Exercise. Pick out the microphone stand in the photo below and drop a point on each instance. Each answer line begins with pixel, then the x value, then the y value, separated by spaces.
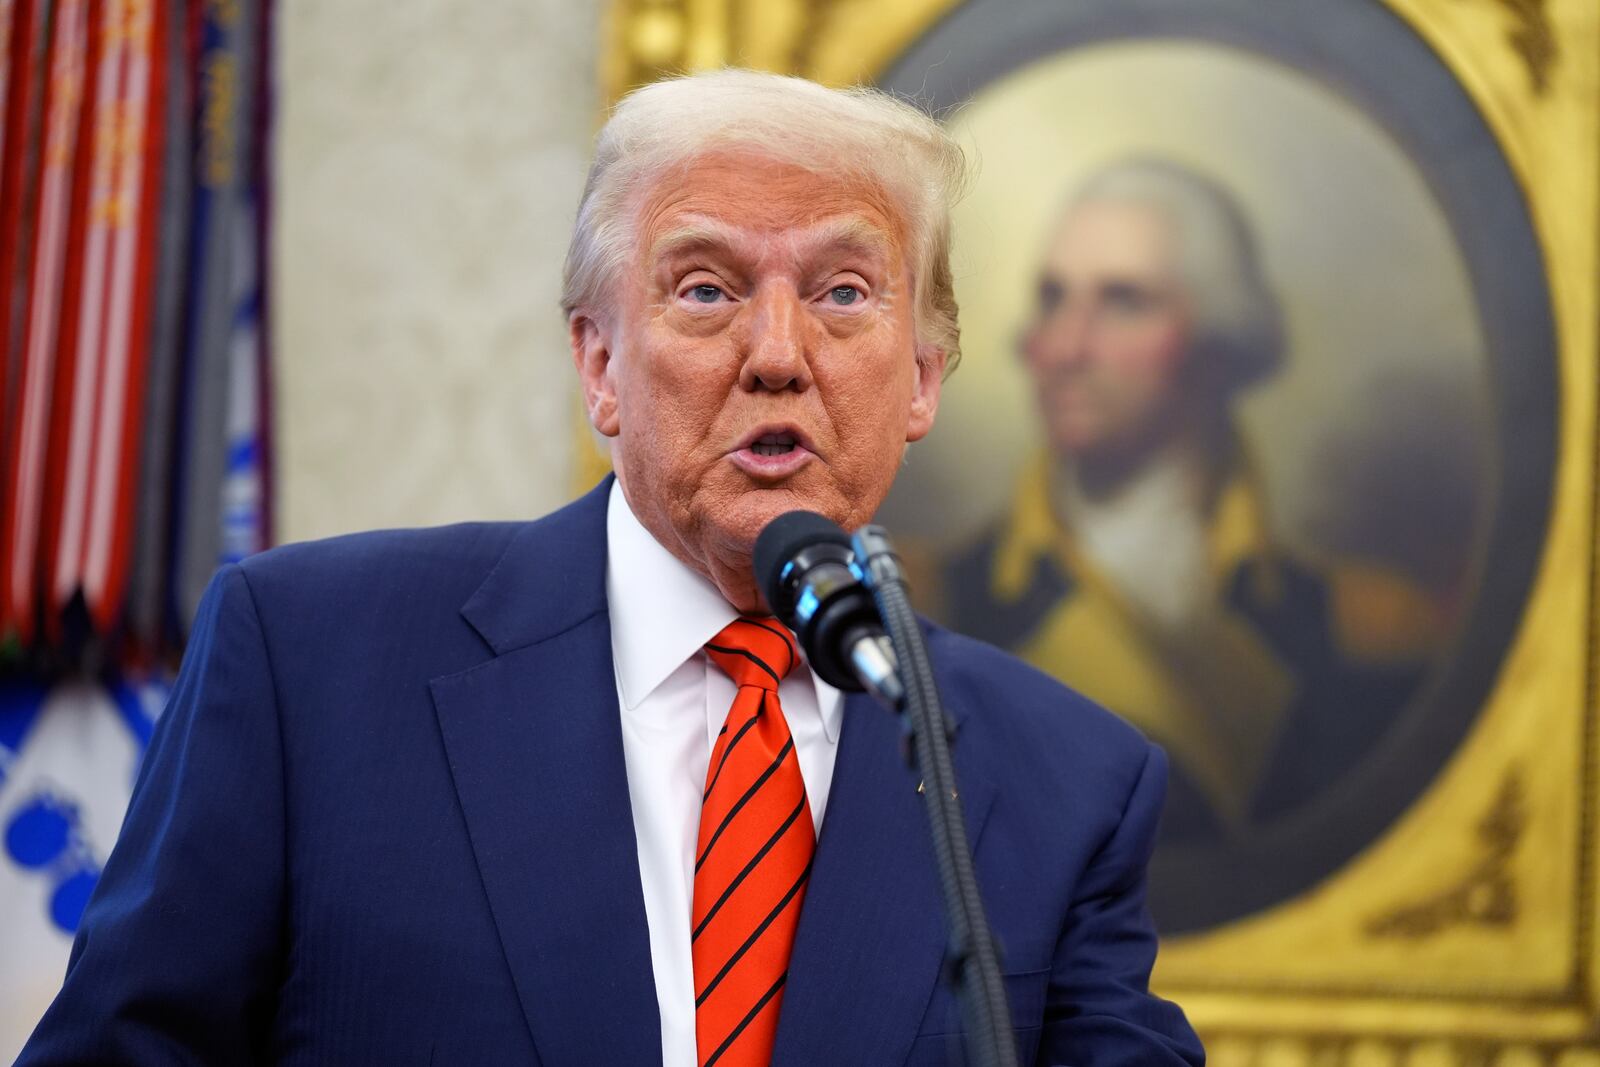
pixel 974 961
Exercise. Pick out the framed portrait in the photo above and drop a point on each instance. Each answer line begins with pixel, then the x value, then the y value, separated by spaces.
pixel 1274 433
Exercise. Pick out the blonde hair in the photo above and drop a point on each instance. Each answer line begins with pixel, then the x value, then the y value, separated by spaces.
pixel 858 133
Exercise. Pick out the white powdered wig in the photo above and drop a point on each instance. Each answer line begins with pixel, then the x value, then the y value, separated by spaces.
pixel 856 134
pixel 1238 322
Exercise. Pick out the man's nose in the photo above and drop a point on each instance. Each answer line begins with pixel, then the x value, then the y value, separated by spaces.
pixel 1063 338
pixel 775 350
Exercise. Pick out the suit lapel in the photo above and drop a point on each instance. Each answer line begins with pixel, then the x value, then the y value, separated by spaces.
pixel 872 933
pixel 534 741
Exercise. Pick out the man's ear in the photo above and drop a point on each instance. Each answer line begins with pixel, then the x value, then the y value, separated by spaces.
pixel 591 354
pixel 925 391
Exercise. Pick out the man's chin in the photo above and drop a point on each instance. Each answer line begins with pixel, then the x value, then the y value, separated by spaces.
pixel 1076 435
pixel 751 511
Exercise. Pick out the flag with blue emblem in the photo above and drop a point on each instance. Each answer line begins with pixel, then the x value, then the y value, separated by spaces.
pixel 134 413
pixel 68 756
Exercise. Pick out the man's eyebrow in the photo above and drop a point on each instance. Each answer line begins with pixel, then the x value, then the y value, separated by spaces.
pixel 694 238
pixel 855 234
pixel 852 234
pixel 1129 287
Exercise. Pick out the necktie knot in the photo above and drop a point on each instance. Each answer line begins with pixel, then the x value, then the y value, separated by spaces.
pixel 753 651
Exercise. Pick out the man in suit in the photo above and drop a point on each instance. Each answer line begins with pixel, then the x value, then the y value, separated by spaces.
pixel 559 792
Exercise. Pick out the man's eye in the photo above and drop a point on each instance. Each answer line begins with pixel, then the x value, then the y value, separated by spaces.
pixel 1051 293
pixel 1129 300
pixel 705 294
pixel 845 295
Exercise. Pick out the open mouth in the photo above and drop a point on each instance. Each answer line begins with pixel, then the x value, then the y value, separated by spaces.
pixel 773 452
pixel 774 444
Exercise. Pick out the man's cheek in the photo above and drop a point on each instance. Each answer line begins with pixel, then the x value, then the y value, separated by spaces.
pixel 1169 352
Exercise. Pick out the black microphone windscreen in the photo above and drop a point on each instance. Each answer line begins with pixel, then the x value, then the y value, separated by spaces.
pixel 782 538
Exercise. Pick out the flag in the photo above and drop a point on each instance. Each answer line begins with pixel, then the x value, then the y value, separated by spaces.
pixel 100 419
pixel 134 413
pixel 24 486
pixel 22 47
pixel 68 757
pixel 222 285
pixel 135 426
pixel 149 626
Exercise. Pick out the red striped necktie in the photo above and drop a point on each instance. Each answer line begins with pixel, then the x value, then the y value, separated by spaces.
pixel 754 854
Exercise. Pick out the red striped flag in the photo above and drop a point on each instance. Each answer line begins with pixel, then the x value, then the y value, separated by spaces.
pixel 112 338
pixel 21 89
pixel 8 10
pixel 133 374
pixel 25 476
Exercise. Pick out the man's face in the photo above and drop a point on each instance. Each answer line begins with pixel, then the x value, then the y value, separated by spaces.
pixel 759 357
pixel 1108 340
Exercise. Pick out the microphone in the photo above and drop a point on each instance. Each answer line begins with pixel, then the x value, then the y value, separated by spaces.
pixel 806 570
pixel 830 590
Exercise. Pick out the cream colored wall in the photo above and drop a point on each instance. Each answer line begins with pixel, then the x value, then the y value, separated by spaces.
pixel 429 159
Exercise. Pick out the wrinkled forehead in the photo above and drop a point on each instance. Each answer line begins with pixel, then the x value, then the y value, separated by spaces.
pixel 758 206
pixel 1103 236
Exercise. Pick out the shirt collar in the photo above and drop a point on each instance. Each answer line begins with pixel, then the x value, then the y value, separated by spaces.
pixel 1238 532
pixel 662 613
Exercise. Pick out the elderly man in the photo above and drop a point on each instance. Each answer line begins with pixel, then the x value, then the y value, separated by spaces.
pixel 552 792
pixel 1137 562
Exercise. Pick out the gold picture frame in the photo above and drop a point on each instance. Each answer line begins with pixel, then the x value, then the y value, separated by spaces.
pixel 1465 934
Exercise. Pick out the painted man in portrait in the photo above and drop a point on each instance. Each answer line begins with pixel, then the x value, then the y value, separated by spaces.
pixel 1138 560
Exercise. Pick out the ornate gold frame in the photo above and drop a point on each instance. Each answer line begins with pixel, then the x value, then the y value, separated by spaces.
pixel 1466 936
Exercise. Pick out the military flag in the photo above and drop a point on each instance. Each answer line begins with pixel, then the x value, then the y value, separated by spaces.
pixel 135 412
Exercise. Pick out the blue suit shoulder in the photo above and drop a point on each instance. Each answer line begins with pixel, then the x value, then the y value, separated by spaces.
pixel 389 597
pixel 376 561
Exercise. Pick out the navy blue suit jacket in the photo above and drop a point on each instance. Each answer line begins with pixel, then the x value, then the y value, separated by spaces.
pixel 385 820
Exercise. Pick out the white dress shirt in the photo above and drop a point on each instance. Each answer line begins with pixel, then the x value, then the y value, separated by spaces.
pixel 674 701
pixel 1150 537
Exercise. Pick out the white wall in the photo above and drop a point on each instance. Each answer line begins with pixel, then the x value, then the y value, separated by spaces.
pixel 429 160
